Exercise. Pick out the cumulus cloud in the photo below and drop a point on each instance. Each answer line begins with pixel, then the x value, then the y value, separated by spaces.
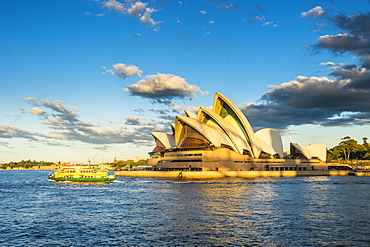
pixel 355 24
pixel 355 39
pixel 316 12
pixel 146 19
pixel 124 71
pixel 319 92
pixel 133 8
pixel 115 5
pixel 163 87
pixel 343 43
pixel 313 100
pixel 136 9
pixel 339 99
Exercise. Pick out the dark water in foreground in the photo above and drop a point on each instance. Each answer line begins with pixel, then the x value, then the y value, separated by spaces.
pixel 302 211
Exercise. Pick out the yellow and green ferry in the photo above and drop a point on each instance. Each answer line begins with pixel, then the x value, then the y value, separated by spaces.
pixel 81 173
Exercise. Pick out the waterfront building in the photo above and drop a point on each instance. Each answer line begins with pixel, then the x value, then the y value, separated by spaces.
pixel 222 139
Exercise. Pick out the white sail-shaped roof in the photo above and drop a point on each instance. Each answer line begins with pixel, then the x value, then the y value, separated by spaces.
pixel 272 138
pixel 229 130
pixel 212 133
pixel 301 150
pixel 172 128
pixel 318 150
pixel 314 150
pixel 167 140
pixel 190 114
pixel 226 109
pixel 266 147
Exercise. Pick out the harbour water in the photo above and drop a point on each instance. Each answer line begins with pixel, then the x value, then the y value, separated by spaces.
pixel 290 211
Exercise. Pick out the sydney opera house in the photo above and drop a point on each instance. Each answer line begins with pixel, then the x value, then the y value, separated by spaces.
pixel 222 139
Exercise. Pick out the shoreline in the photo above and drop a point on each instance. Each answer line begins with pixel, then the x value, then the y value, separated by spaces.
pixel 225 174
pixel 222 174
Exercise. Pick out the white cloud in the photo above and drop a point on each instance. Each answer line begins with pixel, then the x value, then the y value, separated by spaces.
pixel 132 120
pixel 37 111
pixel 136 8
pixel 146 19
pixel 124 71
pixel 327 64
pixel 316 12
pixel 66 124
pixel 114 5
pixel 163 86
pixel 176 108
pixel 195 108
pixel 269 23
pixel 133 8
pixel 30 99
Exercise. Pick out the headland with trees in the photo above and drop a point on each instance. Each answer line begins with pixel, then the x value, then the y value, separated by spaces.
pixel 350 152
pixel 45 165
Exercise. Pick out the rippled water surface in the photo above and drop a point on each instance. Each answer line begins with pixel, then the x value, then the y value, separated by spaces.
pixel 301 211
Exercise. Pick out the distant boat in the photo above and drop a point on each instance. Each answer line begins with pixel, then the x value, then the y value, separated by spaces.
pixel 81 173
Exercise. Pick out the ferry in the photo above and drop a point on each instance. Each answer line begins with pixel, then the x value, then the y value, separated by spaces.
pixel 81 173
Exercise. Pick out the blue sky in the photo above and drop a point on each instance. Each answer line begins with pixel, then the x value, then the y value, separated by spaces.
pixel 81 78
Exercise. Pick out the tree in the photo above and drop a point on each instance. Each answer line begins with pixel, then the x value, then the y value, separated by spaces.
pixel 366 144
pixel 366 152
pixel 349 146
pixel 334 154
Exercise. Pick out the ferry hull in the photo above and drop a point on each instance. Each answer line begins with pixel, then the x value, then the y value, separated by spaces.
pixel 61 179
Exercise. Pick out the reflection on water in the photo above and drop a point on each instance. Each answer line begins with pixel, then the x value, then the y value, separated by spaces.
pixel 302 211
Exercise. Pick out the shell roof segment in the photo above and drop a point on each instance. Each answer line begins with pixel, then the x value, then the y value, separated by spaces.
pixel 167 140
pixel 208 116
pixel 213 134
pixel 230 112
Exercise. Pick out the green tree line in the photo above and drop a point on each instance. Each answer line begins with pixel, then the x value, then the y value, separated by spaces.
pixel 349 150
pixel 116 164
pixel 25 164
pixel 127 164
